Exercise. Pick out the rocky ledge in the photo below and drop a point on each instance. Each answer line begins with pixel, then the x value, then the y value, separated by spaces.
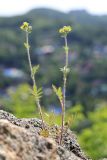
pixel 20 140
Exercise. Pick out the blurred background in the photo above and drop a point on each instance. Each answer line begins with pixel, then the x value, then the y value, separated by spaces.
pixel 87 83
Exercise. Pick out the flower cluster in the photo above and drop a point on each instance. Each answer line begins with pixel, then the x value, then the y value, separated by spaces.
pixel 65 30
pixel 26 27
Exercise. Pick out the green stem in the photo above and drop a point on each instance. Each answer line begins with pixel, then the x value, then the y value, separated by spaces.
pixel 33 77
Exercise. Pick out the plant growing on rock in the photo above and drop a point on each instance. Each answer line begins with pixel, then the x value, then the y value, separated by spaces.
pixel 62 94
pixel 37 92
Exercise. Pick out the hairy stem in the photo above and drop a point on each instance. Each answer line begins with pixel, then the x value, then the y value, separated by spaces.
pixel 64 94
pixel 66 51
pixel 63 103
pixel 65 74
pixel 62 122
pixel 33 77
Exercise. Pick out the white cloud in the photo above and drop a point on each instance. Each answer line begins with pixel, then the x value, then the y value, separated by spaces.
pixel 9 7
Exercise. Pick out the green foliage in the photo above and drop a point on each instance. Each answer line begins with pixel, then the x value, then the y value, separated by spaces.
pixel 21 102
pixel 100 114
pixel 94 139
pixel 75 116
pixel 52 119
pixel 44 32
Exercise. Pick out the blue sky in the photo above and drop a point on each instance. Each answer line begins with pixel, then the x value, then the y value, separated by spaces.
pixel 15 7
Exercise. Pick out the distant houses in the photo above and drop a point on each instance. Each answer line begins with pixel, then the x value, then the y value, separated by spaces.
pixel 100 51
pixel 11 77
pixel 14 73
pixel 45 50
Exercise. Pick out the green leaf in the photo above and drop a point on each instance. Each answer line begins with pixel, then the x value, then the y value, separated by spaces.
pixel 52 118
pixel 66 49
pixel 35 69
pixel 58 92
pixel 46 114
pixel 26 45
pixel 31 91
pixel 65 70
pixel 35 88
pixel 29 29
pixel 37 93
pixel 54 88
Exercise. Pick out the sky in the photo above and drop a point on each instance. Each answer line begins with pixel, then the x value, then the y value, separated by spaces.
pixel 16 7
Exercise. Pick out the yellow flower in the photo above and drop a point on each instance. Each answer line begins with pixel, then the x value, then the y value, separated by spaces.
pixel 25 27
pixel 65 30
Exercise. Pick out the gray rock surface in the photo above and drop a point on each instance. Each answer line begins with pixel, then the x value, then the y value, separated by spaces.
pixel 20 140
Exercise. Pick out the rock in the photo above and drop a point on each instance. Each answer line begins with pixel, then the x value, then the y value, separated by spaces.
pixel 20 140
pixel 18 144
